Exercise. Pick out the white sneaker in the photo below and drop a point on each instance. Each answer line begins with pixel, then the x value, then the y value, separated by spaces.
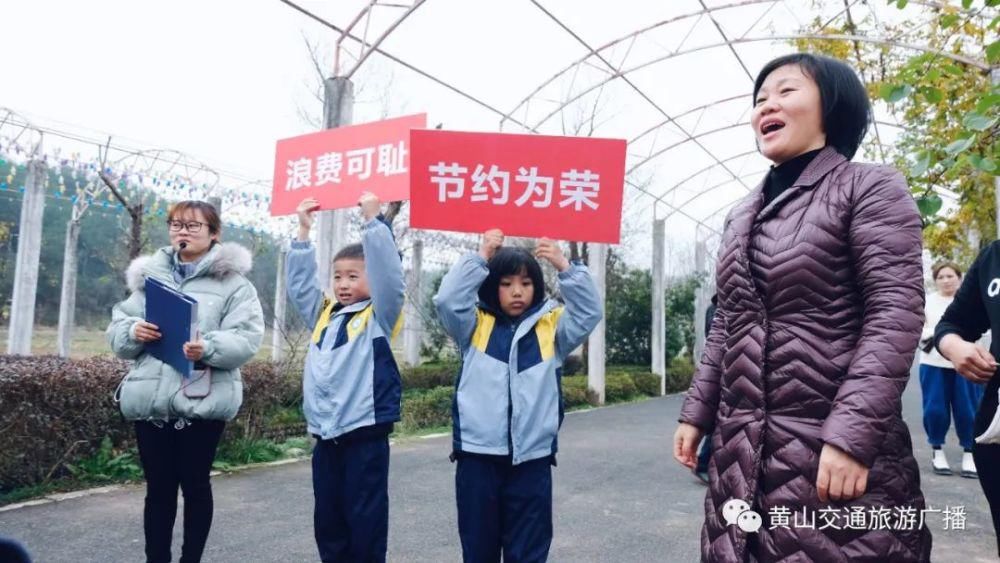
pixel 940 463
pixel 969 466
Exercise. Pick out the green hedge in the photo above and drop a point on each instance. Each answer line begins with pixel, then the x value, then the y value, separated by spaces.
pixel 57 413
pixel 427 409
pixel 429 376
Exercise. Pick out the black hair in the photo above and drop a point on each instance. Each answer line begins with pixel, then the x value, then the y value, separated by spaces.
pixel 207 210
pixel 844 101
pixel 510 262
pixel 351 251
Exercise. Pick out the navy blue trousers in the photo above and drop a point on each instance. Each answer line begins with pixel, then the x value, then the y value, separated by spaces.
pixel 705 453
pixel 351 487
pixel 948 395
pixel 504 508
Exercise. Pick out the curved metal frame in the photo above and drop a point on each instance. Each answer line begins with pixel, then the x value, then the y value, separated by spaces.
pixel 614 73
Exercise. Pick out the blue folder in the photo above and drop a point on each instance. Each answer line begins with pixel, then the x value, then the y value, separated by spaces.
pixel 176 315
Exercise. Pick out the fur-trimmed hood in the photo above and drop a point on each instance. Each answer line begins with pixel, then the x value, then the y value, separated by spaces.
pixel 223 259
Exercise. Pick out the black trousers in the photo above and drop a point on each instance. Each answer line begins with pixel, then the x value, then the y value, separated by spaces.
pixel 987 456
pixel 175 457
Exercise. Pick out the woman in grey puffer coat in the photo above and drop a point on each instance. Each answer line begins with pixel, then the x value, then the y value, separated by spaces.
pixel 177 434
pixel 820 309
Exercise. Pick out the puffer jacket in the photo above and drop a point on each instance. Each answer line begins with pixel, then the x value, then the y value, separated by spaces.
pixel 820 310
pixel 508 398
pixel 351 381
pixel 230 322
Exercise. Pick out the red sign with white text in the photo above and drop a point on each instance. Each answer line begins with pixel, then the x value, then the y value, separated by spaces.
pixel 336 166
pixel 567 188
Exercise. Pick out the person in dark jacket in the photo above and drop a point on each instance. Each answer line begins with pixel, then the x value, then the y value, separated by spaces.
pixel 976 309
pixel 820 310
pixel 705 453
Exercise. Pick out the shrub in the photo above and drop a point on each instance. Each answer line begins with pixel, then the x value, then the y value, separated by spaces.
pixel 646 383
pixel 54 412
pixel 427 409
pixel 679 374
pixel 58 417
pixel 429 376
pixel 619 387
pixel 574 391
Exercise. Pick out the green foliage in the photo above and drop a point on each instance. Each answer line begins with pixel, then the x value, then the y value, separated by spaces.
pixel 628 314
pixel 437 345
pixel 949 108
pixel 107 464
pixel 247 450
pixel 574 391
pixel 619 387
pixel 428 408
pixel 60 421
pixel 679 374
pixel 646 383
pixel 429 375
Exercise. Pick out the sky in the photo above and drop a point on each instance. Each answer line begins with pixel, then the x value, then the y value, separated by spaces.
pixel 221 81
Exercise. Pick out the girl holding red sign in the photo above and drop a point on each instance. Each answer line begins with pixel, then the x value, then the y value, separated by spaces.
pixel 508 405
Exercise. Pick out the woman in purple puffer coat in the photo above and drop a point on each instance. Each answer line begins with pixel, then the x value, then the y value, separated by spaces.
pixel 820 310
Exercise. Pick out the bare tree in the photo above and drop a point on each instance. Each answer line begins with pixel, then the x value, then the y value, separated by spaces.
pixel 85 195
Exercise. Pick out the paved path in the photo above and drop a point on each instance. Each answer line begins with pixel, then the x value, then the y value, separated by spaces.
pixel 618 497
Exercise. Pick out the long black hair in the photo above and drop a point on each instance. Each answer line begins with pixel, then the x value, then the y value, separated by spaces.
pixel 844 101
pixel 510 262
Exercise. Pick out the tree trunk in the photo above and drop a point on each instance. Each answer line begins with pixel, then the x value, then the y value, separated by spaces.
pixel 135 236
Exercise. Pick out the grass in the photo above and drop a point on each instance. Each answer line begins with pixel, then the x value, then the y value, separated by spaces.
pixel 90 341
pixel 113 467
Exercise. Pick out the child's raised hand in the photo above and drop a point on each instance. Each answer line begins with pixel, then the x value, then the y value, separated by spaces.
pixel 492 241
pixel 305 211
pixel 550 250
pixel 370 205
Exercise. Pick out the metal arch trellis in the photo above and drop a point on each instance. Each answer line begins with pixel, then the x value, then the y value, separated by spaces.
pixel 622 72
pixel 17 130
pixel 170 174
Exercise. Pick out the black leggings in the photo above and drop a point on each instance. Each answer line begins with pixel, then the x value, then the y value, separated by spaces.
pixel 173 457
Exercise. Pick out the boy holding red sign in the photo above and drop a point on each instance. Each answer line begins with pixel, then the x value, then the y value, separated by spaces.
pixel 508 403
pixel 350 384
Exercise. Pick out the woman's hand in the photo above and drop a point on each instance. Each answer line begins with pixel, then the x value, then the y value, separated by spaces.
pixel 194 350
pixel 146 332
pixel 971 361
pixel 686 440
pixel 305 212
pixel 492 241
pixel 840 476
pixel 550 250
